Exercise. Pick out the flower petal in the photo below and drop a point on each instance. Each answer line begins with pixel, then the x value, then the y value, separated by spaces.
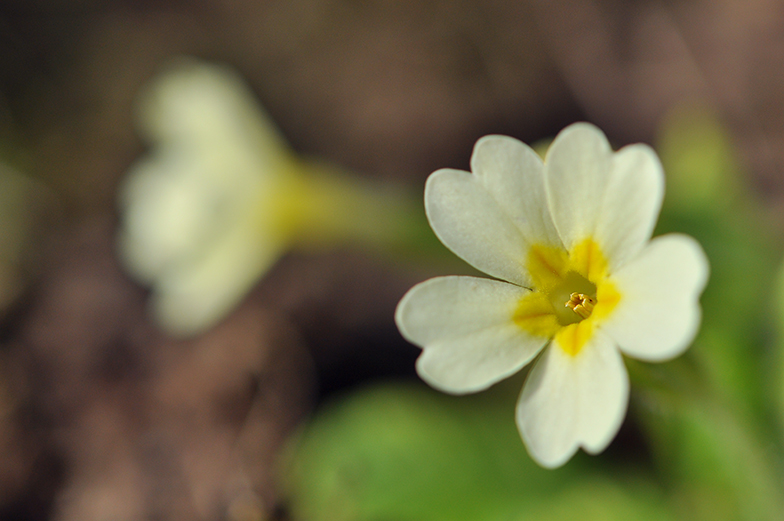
pixel 167 214
pixel 466 330
pixel 573 401
pixel 577 172
pixel 209 109
pixel 658 313
pixel 192 297
pixel 514 175
pixel 631 204
pixel 489 218
pixel 471 223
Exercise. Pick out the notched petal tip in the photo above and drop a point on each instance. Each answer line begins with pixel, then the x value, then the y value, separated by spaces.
pixel 570 402
pixel 468 220
pixel 630 204
pixel 577 170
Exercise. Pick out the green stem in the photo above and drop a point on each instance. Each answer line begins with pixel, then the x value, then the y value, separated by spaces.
pixel 335 207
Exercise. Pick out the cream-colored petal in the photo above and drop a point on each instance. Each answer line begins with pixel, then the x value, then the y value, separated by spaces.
pixel 630 205
pixel 658 313
pixel 208 107
pixel 192 297
pixel 514 175
pixel 465 327
pixel 577 172
pixel 471 223
pixel 491 217
pixel 576 401
pixel 168 214
pixel 201 219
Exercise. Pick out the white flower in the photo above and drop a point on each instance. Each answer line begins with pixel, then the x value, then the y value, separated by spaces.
pixel 581 282
pixel 221 197
pixel 203 212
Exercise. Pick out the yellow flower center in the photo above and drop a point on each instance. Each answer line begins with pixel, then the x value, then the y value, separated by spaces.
pixel 571 294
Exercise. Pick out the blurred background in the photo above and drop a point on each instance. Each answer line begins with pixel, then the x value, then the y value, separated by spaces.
pixel 303 403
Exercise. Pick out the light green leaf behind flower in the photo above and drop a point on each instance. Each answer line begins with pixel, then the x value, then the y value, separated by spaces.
pixel 404 452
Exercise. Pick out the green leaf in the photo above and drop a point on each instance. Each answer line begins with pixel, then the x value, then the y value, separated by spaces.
pixel 405 452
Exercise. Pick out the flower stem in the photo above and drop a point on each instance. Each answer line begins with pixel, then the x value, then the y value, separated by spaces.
pixel 333 207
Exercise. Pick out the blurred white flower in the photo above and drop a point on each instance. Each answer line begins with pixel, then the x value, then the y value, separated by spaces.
pixel 220 197
pixel 215 202
pixel 581 282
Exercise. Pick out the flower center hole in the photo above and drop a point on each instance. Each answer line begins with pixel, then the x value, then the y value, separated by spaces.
pixel 581 304
pixel 573 299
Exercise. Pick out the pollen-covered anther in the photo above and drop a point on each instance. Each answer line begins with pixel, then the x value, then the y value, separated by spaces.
pixel 581 304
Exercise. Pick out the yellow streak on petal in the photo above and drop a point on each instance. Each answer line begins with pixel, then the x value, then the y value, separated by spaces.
pixel 607 297
pixel 535 314
pixel 588 260
pixel 573 337
pixel 547 266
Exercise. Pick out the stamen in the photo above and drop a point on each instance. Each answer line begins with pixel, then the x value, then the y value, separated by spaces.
pixel 581 304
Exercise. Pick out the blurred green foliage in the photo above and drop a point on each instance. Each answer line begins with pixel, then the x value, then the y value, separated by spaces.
pixel 26 206
pixel 709 415
pixel 707 199
pixel 401 451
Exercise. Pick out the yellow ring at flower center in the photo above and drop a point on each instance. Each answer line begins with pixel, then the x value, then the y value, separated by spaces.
pixel 577 277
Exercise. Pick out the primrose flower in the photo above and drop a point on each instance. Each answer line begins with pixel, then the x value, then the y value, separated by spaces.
pixel 221 197
pixel 198 210
pixel 580 282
